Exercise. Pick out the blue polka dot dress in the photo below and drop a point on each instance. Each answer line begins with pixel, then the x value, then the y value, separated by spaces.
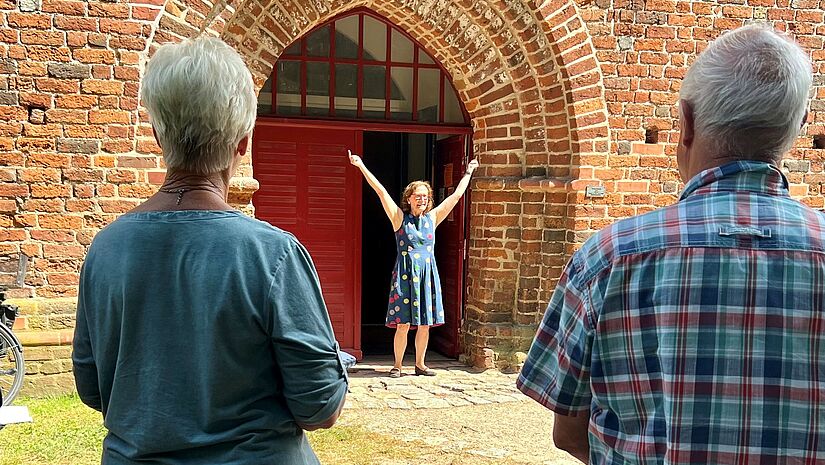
pixel 415 291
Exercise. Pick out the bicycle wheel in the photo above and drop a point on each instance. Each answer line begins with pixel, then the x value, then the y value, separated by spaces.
pixel 11 365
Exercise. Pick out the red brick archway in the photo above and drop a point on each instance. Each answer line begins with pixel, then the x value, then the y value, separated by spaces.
pixel 528 75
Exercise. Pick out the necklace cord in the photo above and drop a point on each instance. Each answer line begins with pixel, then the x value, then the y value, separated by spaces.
pixel 177 186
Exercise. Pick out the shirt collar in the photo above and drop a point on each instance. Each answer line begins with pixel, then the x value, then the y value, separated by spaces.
pixel 746 175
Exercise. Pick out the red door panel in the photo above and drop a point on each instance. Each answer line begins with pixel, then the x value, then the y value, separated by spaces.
pixel 308 188
pixel 450 244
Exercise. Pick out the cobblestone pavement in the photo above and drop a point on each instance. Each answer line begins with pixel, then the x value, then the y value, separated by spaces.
pixel 455 385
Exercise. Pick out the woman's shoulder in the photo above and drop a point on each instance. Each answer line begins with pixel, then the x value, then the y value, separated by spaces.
pixel 233 227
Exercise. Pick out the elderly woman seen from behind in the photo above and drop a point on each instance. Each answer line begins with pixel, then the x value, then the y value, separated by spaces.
pixel 201 333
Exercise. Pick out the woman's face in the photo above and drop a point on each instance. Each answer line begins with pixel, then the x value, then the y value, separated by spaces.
pixel 419 200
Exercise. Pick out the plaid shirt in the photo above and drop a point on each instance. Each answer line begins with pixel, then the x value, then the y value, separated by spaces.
pixel 694 334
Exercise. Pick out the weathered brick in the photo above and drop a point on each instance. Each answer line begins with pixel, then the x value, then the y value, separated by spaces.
pixel 137 162
pixel 66 116
pixel 101 72
pixel 13 190
pixel 12 113
pixel 77 205
pixel 64 7
pixel 8 206
pixel 53 38
pixel 69 70
pixel 127 73
pixel 47 53
pixel 145 13
pixel 117 206
pixel 9 36
pixel 85 102
pixel 74 23
pixel 128 42
pixel 8 98
pixel 63 251
pixel 46 191
pixel 109 10
pixel 93 86
pixel 76 39
pixel 35 100
pixel 84 175
pixel 28 6
pixel 84 131
pixel 110 26
pixel 78 146
pixel 32 144
pixel 99 40
pixel 51 160
pixel 39 175
pixel 9 235
pixel 57 85
pixel 59 221
pixel 117 146
pixel 29 21
pixel 86 55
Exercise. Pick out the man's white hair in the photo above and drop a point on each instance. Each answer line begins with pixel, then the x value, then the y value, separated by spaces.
pixel 749 91
pixel 201 102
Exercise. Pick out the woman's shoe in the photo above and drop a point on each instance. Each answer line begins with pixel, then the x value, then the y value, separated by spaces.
pixel 424 372
pixel 396 372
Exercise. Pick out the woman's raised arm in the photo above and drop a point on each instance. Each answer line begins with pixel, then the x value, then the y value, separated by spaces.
pixel 445 207
pixel 392 210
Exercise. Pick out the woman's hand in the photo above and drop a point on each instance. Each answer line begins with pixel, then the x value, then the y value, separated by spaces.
pixel 471 167
pixel 355 160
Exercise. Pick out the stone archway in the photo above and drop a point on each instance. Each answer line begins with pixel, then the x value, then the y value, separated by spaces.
pixel 529 77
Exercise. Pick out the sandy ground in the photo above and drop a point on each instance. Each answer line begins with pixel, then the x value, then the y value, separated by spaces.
pixel 509 433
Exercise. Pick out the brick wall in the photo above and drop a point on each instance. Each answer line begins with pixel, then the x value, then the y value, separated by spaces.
pixel 562 95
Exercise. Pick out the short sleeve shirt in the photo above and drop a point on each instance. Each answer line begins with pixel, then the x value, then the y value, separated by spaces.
pixel 694 334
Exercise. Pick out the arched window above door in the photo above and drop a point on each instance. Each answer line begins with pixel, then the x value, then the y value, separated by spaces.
pixel 360 66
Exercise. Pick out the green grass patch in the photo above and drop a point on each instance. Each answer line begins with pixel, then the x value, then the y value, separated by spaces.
pixel 66 432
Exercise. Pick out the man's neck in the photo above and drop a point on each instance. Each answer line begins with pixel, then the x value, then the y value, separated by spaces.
pixel 711 159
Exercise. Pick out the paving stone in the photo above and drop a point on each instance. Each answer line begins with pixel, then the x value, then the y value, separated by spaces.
pixel 417 395
pixel 398 404
pixel 371 404
pixel 477 400
pixel 454 386
pixel 431 403
pixel 458 402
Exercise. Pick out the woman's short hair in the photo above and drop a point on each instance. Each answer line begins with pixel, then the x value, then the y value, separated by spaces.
pixel 201 102
pixel 410 189
pixel 749 91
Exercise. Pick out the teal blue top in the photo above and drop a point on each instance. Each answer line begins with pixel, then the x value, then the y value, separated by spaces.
pixel 203 338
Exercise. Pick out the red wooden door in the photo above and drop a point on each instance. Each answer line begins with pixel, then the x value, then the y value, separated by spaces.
pixel 307 187
pixel 450 244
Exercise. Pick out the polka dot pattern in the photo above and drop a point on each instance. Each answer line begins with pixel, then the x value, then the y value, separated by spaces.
pixel 415 296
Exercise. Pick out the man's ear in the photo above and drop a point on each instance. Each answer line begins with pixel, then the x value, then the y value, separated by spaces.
pixel 243 145
pixel 686 123
pixel 155 135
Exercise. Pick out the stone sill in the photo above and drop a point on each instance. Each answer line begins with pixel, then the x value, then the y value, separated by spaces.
pixel 531 184
pixel 45 338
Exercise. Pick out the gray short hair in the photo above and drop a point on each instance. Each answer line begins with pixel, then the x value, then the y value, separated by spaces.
pixel 201 102
pixel 749 92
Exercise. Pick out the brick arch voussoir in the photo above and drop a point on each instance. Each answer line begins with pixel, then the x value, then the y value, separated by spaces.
pixel 582 79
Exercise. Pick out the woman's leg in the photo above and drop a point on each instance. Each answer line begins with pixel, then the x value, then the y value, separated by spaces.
pixel 399 343
pixel 422 337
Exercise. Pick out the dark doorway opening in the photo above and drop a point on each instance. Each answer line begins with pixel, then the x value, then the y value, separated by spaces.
pixel 396 159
